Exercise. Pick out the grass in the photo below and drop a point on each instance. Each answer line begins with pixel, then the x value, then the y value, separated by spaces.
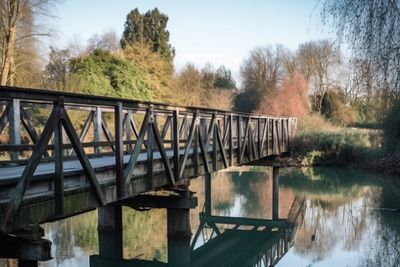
pixel 319 142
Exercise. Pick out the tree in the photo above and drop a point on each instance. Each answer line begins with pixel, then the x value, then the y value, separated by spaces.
pixel 57 69
pixel 316 60
pixel 19 24
pixel 372 30
pixel 223 79
pixel 261 74
pixel 149 28
pixel 107 41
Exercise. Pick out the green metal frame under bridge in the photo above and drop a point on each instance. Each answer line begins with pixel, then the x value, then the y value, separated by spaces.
pixel 63 154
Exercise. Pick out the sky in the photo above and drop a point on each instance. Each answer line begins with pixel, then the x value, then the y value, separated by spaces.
pixel 216 32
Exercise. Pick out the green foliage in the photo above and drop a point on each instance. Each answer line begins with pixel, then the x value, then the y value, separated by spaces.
pixel 158 70
pixel 332 148
pixel 247 101
pixel 223 79
pixel 391 127
pixel 335 109
pixel 149 28
pixel 105 74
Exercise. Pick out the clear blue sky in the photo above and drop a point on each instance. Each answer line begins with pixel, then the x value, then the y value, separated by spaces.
pixel 219 32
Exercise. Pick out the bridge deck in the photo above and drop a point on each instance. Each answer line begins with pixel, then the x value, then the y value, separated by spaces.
pixel 62 154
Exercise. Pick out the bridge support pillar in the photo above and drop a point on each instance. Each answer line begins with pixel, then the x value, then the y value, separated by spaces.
pixel 179 234
pixel 110 237
pixel 207 190
pixel 110 232
pixel 27 246
pixel 275 193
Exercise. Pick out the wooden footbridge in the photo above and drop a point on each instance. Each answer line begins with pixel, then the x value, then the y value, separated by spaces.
pixel 63 154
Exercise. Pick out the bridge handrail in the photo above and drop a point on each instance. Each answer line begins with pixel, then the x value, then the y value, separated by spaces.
pixel 201 138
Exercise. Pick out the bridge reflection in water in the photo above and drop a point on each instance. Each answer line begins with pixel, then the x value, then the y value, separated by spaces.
pixel 230 241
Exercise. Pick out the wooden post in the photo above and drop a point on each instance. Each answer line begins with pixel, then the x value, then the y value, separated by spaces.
pixel 128 130
pixel 175 132
pixel 215 146
pixel 259 138
pixel 59 170
pixel 110 232
pixel 119 150
pixel 97 118
pixel 14 122
pixel 231 140
pixel 196 147
pixel 275 193
pixel 149 176
pixel 239 138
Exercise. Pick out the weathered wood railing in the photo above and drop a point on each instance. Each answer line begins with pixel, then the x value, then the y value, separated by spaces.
pixel 56 146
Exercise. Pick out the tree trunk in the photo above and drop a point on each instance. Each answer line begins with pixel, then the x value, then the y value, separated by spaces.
pixel 8 62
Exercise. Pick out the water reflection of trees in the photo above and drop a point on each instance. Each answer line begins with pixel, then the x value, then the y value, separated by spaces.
pixel 346 209
pixel 144 235
pixel 341 207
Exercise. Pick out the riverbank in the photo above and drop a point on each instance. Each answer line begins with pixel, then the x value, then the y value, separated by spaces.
pixel 320 143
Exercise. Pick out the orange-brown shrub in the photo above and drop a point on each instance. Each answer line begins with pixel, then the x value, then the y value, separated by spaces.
pixel 288 100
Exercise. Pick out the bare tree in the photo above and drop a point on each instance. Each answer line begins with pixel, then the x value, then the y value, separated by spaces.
pixel 316 61
pixel 261 73
pixel 107 41
pixel 18 24
pixel 372 30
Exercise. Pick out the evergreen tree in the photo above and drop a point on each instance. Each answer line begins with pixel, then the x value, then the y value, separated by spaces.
pixel 149 28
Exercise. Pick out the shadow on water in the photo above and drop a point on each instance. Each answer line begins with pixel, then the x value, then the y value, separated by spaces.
pixel 327 217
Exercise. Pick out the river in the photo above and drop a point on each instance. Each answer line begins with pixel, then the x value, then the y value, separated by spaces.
pixel 344 218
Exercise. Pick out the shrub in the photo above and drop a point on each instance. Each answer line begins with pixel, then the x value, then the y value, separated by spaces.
pixel 335 109
pixel 103 73
pixel 290 100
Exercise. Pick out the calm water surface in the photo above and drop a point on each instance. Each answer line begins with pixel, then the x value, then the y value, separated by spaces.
pixel 348 218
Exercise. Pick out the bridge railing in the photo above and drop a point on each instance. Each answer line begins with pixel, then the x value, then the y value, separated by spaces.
pixel 137 138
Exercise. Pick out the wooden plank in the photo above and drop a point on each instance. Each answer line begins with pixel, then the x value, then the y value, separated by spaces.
pixel 82 157
pixel 86 126
pixel 245 141
pixel 164 156
pixel 29 128
pixel 128 173
pixel 188 144
pixel 264 143
pixel 167 125
pixel 107 131
pixel 222 149
pixel 3 119
pixel 204 152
